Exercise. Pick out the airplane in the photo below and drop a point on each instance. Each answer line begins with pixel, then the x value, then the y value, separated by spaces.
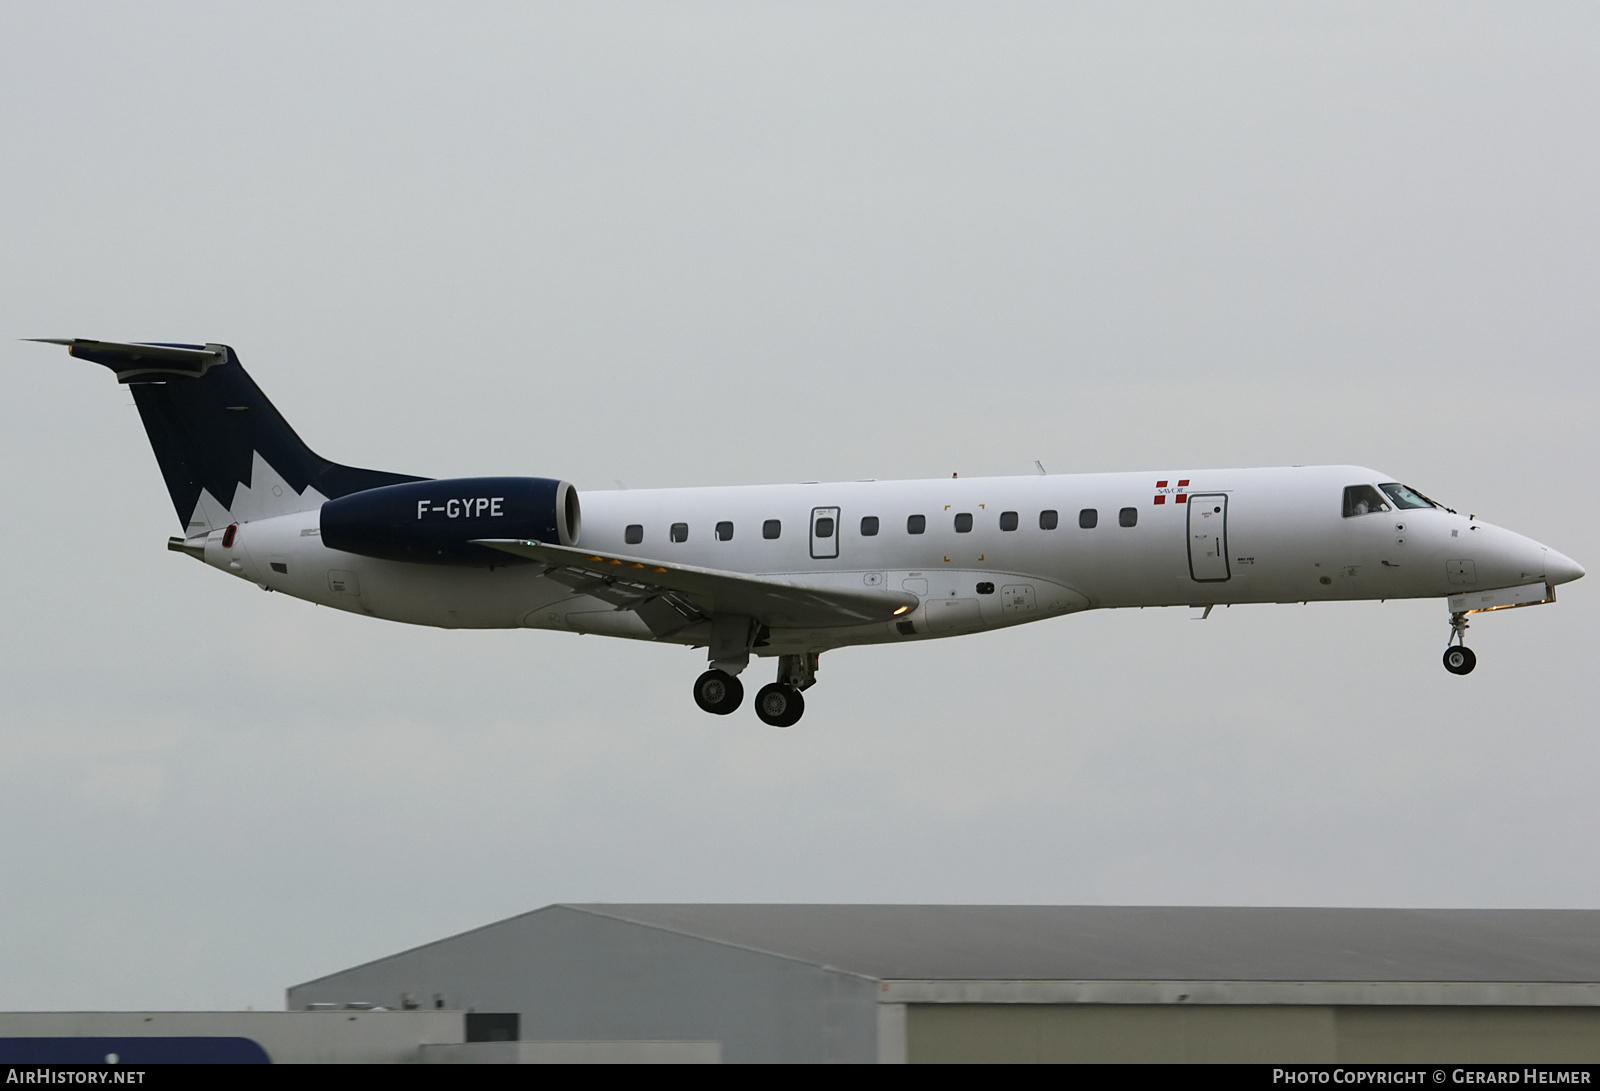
pixel 789 571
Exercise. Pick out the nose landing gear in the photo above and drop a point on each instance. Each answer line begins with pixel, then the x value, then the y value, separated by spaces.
pixel 1458 658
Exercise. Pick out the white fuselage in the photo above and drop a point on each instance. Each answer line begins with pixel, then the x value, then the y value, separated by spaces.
pixel 1198 538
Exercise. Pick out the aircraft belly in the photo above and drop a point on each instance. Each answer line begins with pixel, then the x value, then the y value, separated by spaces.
pixel 454 598
pixel 605 621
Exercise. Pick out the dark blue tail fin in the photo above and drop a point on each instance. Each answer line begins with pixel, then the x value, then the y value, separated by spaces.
pixel 227 454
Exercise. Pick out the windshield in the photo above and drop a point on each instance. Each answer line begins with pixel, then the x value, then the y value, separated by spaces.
pixel 1404 497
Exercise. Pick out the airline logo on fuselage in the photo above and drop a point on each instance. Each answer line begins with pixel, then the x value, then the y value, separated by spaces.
pixel 465 507
pixel 1178 492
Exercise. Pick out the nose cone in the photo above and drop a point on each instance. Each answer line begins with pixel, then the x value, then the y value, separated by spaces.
pixel 1561 569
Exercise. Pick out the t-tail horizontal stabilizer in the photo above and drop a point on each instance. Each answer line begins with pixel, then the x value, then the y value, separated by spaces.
pixel 143 363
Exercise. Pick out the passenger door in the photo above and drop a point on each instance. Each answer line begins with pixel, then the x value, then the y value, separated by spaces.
pixel 824 533
pixel 1208 537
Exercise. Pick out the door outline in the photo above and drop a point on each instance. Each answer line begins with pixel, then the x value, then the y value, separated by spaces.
pixel 1215 498
pixel 830 545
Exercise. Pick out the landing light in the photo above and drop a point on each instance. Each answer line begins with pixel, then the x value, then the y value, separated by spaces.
pixel 902 610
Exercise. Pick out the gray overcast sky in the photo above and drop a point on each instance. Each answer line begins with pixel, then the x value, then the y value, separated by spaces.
pixel 696 244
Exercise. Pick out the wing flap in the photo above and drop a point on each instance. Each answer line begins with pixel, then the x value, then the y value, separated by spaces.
pixel 773 602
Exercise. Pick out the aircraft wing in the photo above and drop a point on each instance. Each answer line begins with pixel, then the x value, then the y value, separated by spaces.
pixel 652 588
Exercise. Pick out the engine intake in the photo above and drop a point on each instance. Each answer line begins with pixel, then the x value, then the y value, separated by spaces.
pixel 435 522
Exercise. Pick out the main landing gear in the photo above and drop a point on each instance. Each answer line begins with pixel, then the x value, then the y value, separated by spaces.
pixel 778 704
pixel 718 692
pixel 1458 658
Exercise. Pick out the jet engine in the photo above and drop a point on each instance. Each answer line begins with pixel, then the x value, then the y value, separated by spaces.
pixel 435 522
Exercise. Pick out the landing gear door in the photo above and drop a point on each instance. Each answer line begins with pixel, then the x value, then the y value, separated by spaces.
pixel 824 533
pixel 1208 537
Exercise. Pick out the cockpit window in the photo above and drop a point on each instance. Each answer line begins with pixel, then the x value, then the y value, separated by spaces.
pixel 1404 497
pixel 1363 500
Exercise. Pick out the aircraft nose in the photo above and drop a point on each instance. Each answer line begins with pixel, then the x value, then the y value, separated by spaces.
pixel 1561 569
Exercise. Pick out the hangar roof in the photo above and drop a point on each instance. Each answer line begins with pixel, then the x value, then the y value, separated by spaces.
pixel 1134 943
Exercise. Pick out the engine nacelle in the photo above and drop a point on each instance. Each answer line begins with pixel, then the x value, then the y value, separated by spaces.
pixel 434 522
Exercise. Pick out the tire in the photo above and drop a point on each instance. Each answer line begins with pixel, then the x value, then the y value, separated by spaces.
pixel 1459 660
pixel 780 705
pixel 718 692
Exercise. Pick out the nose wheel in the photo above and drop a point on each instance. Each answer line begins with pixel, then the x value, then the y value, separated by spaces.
pixel 1458 658
pixel 718 692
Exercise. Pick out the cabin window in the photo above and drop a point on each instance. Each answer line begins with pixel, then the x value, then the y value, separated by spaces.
pixel 963 522
pixel 771 528
pixel 1008 520
pixel 680 532
pixel 1089 518
pixel 633 534
pixel 724 531
pixel 985 588
pixel 1048 519
pixel 916 524
pixel 1128 517
pixel 824 527
pixel 869 526
pixel 1363 500
pixel 1404 497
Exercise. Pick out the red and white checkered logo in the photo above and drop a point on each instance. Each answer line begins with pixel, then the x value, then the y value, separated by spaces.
pixel 1178 492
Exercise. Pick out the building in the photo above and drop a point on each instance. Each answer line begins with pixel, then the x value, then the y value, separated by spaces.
pixel 1025 983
